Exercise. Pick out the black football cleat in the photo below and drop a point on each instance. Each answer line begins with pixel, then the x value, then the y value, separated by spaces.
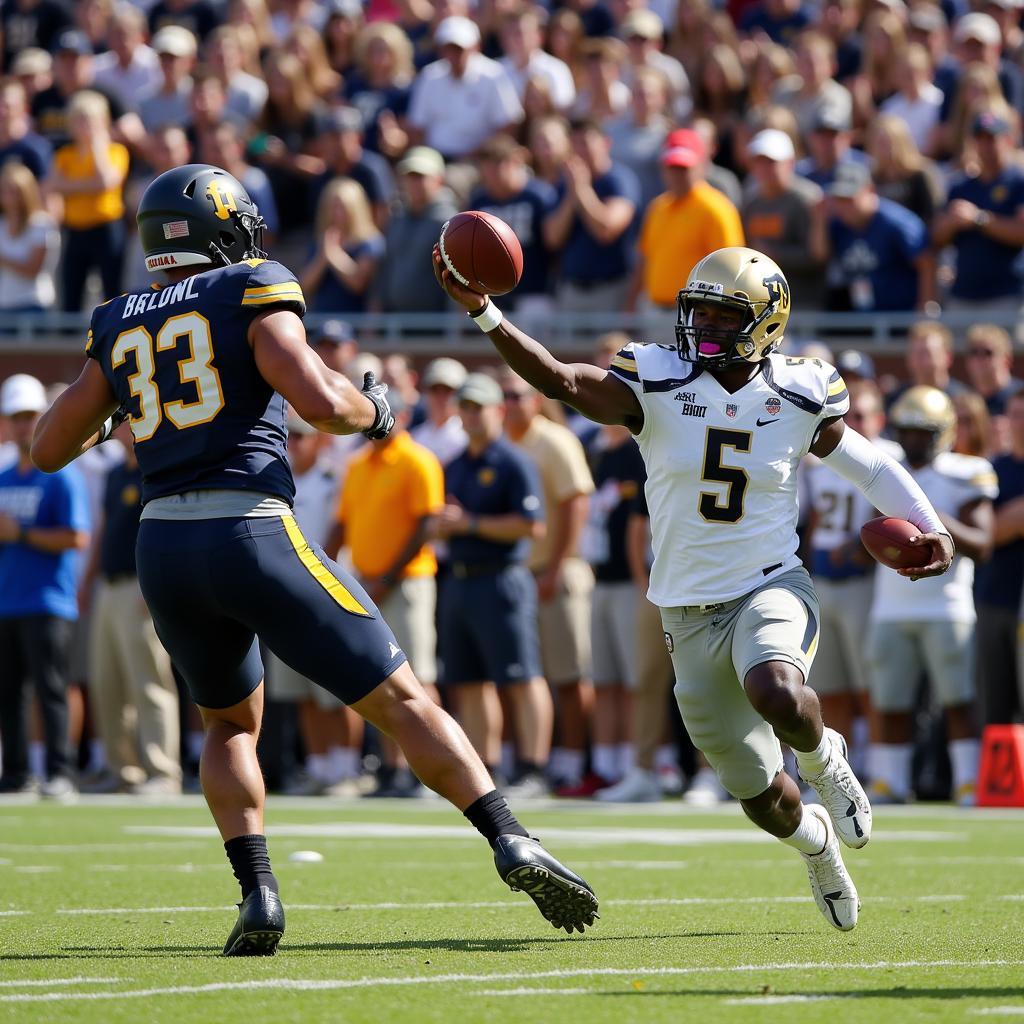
pixel 260 925
pixel 560 894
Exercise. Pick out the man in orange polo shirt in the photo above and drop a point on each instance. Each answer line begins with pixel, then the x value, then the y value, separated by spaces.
pixel 680 227
pixel 393 492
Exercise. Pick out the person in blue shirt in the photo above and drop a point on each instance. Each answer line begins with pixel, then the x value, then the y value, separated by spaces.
pixel 202 366
pixel 487 621
pixel 997 586
pixel 984 222
pixel 591 224
pixel 830 146
pixel 508 191
pixel 780 20
pixel 44 524
pixel 880 259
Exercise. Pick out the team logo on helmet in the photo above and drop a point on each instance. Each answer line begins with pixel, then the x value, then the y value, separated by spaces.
pixel 778 289
pixel 224 203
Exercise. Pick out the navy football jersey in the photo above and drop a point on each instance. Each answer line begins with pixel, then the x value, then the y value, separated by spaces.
pixel 179 360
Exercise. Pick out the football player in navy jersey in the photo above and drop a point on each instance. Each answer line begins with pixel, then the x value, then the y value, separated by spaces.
pixel 202 366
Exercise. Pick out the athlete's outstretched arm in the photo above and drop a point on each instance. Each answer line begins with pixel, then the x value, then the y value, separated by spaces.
pixel 76 421
pixel 890 488
pixel 599 395
pixel 322 397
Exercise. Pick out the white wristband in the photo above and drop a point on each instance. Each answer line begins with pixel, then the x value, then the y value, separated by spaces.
pixel 487 318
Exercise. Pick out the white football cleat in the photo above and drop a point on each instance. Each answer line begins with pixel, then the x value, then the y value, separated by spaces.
pixel 639 786
pixel 705 790
pixel 833 888
pixel 842 795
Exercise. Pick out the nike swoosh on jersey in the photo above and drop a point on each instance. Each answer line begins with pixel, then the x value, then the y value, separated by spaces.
pixel 764 423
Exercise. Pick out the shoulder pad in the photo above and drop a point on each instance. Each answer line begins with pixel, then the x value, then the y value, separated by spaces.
pixel 270 284
pixel 813 385
pixel 655 367
pixel 971 470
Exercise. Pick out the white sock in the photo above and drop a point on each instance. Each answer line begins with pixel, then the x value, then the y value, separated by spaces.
pixel 627 758
pixel 337 764
pixel 964 755
pixel 507 764
pixel 318 767
pixel 812 762
pixel 97 756
pixel 890 763
pixel 665 757
pixel 37 759
pixel 810 835
pixel 572 766
pixel 605 761
pixel 859 747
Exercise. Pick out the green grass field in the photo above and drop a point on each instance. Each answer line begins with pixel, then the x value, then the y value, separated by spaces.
pixel 117 911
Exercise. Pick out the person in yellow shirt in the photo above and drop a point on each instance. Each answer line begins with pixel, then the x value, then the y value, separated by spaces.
pixel 389 503
pixel 89 175
pixel 680 227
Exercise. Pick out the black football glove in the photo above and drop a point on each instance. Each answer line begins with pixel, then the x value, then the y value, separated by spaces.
pixel 383 422
pixel 111 423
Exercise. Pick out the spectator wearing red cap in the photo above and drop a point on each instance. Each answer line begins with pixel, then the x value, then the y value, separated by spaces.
pixel 682 225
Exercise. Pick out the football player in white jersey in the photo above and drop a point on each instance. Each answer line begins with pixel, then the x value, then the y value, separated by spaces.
pixel 722 423
pixel 930 627
pixel 843 575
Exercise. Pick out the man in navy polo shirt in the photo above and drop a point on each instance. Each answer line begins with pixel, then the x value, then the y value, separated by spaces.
pixel 487 622
pixel 880 258
pixel 984 222
pixel 44 523
pixel 596 206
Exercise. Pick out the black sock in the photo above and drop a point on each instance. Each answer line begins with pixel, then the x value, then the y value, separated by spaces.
pixel 491 817
pixel 250 863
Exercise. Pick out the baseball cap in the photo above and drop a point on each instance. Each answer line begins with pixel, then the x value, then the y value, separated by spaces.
pixel 73 41
pixel 457 31
pixel 982 27
pixel 925 18
pixel 449 373
pixel 31 61
pixel 22 392
pixel 773 144
pixel 175 40
pixel 344 9
pixel 340 119
pixel 642 22
pixel 831 118
pixel 854 362
pixel 849 179
pixel 988 122
pixel 422 160
pixel 335 332
pixel 480 389
pixel 683 148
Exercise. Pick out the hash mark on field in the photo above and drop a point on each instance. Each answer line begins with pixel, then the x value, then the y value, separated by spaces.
pixel 781 1000
pixel 309 984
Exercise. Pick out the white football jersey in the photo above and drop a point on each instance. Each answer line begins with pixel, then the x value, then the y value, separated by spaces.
pixel 839 506
pixel 950 482
pixel 721 468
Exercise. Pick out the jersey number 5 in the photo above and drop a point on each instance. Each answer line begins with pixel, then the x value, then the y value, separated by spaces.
pixel 197 367
pixel 711 506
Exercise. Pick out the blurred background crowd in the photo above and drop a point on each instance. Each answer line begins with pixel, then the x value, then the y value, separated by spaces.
pixel 870 147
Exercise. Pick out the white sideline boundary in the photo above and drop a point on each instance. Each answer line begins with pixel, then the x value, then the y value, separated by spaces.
pixel 47 982
pixel 307 985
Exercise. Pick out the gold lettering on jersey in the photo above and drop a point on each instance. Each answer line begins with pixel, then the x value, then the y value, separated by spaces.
pixel 223 199
pixel 691 407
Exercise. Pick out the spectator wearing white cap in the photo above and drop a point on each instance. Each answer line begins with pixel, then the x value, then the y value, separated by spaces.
pixel 44 523
pixel 463 98
pixel 778 210
pixel 168 103
pixel 441 432
pixel 197 16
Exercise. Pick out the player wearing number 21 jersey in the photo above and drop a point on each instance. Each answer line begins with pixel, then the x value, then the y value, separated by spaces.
pixel 201 365
pixel 722 421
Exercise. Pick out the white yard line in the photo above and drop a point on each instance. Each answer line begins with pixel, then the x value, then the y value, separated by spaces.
pixel 534 992
pixel 305 985
pixel 782 1000
pixel 48 982
pixel 999 1011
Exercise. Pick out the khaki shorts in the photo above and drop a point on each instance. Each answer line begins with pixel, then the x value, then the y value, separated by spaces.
pixel 564 626
pixel 613 633
pixel 840 666
pixel 900 653
pixel 283 683
pixel 713 647
pixel 410 612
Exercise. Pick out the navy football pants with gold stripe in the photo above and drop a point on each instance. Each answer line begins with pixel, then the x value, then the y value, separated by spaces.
pixel 214 585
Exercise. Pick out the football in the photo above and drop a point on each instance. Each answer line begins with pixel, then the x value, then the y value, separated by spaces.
pixel 482 252
pixel 887 540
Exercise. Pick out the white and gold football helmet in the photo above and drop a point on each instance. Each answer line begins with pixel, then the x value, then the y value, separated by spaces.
pixel 742 279
pixel 926 408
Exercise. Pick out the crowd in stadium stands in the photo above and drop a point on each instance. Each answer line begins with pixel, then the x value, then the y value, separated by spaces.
pixel 870 147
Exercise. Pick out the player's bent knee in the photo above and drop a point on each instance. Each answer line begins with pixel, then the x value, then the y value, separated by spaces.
pixel 246 715
pixel 774 691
